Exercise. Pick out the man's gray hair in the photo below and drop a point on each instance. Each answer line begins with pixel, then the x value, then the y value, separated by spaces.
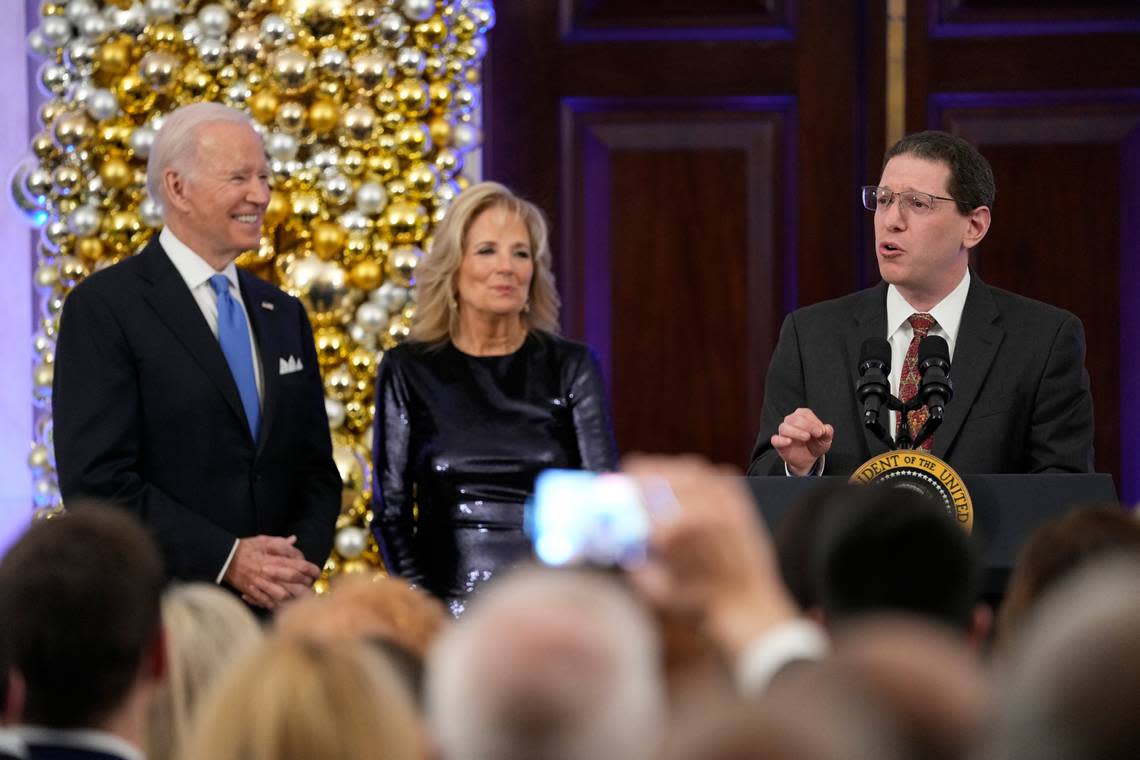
pixel 174 145
pixel 548 664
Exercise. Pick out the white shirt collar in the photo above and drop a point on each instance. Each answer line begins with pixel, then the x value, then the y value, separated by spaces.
pixel 193 268
pixel 947 313
pixel 80 738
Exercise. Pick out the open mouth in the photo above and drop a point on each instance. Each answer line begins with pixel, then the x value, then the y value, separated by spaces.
pixel 248 218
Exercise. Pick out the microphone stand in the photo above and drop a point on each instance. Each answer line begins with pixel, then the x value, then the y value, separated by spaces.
pixel 902 439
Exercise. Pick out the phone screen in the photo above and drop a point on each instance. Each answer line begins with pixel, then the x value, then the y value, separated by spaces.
pixel 578 517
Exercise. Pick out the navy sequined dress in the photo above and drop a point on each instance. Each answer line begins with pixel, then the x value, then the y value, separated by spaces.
pixel 463 437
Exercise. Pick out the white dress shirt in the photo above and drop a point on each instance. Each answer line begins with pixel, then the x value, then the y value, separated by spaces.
pixel 197 273
pixel 79 738
pixel 947 319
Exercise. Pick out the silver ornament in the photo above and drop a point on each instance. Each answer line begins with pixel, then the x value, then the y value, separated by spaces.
pixel 371 317
pixel 333 61
pixel 353 221
pixel 211 51
pixel 215 20
pixel 79 93
pixel 281 146
pixel 465 137
pixel 418 10
pixel 238 93
pixel 336 188
pixel 351 541
pixel 131 20
pixel 161 10
pixel 371 198
pixel 92 26
pixel 150 212
pixel 276 30
pixel 361 337
pixel 141 139
pixel 56 30
pixel 77 9
pixel 324 160
pixel 54 78
pixel 83 221
pixel 192 31
pixel 102 104
pixel 335 411
pixel 38 43
pixel 79 54
pixel 392 29
pixel 410 61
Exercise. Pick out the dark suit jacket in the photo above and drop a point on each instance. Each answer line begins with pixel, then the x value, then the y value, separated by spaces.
pixel 1021 392
pixel 147 415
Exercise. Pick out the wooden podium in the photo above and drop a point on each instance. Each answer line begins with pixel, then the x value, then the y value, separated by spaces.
pixel 1007 508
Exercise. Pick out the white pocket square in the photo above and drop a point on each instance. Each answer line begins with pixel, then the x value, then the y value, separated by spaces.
pixel 290 365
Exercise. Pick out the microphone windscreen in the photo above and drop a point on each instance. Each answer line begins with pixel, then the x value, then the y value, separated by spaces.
pixel 876 349
pixel 933 347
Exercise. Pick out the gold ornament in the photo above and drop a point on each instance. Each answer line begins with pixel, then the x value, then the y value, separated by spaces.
pixel 431 33
pixel 323 116
pixel 71 271
pixel 328 239
pixel 322 19
pixel 66 180
pixel 166 36
pixel 366 275
pixel 46 276
pixel 158 69
pixel 371 70
pixel 112 59
pixel 135 97
pixel 277 210
pixel 291 70
pixel 339 383
pixel 358 124
pixel 89 248
pixel 382 165
pixel 413 141
pixel 263 105
pixel 422 179
pixel 401 264
pixel 439 95
pixel 115 173
pixel 195 83
pixel 72 129
pixel 404 222
pixel 331 346
pixel 291 117
pixel 413 97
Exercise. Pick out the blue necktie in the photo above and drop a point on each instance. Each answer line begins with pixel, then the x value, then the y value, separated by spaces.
pixel 233 334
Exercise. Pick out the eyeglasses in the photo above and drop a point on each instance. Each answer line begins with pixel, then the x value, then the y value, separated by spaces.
pixel 879 198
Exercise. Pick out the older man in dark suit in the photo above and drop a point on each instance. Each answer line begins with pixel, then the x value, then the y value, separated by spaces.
pixel 1021 393
pixel 188 390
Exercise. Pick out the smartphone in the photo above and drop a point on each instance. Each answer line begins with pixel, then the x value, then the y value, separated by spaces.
pixel 578 517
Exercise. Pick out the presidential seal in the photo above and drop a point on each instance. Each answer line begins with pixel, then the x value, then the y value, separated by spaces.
pixel 918 471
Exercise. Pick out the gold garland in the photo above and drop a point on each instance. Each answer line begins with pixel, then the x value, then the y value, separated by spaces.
pixel 368 110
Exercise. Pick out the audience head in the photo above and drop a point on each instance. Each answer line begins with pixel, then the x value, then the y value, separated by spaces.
pixel 296 698
pixel 79 601
pixel 207 629
pixel 547 664
pixel 1072 683
pixel 1056 549
pixel 890 550
pixel 795 539
pixel 400 620
pixel 971 181
pixel 811 713
pixel 437 314
pixel 926 680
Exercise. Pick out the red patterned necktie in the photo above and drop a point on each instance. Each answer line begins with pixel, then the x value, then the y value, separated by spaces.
pixel 909 380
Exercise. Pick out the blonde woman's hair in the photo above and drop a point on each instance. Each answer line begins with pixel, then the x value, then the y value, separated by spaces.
pixel 436 319
pixel 297 698
pixel 207 629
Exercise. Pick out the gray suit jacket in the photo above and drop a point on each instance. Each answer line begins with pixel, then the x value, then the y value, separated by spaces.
pixel 1021 392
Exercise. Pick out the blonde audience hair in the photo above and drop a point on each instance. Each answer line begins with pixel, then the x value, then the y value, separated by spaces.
pixel 437 316
pixel 206 630
pixel 383 608
pixel 297 698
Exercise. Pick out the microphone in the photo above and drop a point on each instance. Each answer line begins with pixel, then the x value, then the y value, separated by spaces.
pixel 935 390
pixel 873 387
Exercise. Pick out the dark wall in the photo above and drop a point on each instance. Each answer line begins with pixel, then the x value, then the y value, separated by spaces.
pixel 699 163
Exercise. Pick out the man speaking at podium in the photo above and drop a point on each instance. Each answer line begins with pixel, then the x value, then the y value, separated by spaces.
pixel 1021 399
